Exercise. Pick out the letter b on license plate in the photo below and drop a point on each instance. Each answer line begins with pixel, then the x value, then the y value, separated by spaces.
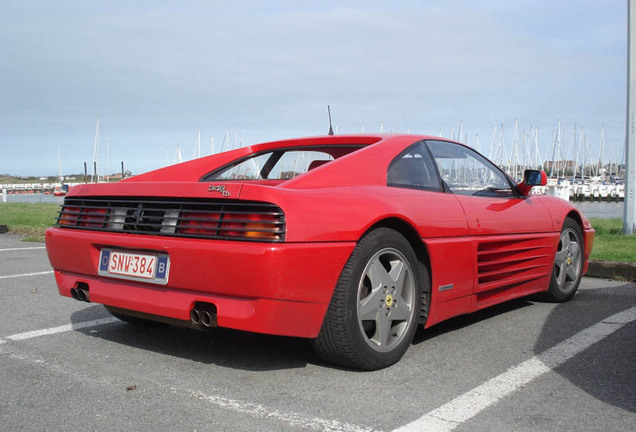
pixel 152 268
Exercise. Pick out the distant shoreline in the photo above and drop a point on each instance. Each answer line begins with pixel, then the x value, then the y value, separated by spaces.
pixel 602 210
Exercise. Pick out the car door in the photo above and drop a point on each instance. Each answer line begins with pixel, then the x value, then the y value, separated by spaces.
pixel 417 193
pixel 510 234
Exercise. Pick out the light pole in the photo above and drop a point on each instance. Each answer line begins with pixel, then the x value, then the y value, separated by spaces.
pixel 629 215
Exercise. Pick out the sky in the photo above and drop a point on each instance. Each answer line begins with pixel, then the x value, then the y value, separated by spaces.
pixel 158 72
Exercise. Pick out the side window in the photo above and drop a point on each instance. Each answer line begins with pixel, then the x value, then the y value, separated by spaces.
pixel 294 163
pixel 250 169
pixel 277 165
pixel 414 168
pixel 466 172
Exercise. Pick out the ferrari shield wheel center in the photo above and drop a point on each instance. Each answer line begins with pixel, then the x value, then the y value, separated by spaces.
pixel 389 300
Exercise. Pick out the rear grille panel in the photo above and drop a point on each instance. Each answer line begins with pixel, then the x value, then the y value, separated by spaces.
pixel 212 219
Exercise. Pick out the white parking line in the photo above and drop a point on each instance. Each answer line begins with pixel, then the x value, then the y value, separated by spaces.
pixel 60 329
pixel 454 413
pixel 297 421
pixel 445 418
pixel 252 409
pixel 27 274
pixel 293 419
pixel 24 248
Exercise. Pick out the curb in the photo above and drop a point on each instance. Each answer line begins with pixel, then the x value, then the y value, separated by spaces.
pixel 612 270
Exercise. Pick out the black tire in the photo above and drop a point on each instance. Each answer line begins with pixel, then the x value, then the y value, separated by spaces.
pixel 132 320
pixel 568 263
pixel 363 327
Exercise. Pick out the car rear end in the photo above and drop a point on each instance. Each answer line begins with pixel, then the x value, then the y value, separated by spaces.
pixel 180 258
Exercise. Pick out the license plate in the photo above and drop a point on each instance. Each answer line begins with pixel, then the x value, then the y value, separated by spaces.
pixel 152 268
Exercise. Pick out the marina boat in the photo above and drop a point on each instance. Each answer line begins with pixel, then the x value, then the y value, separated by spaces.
pixel 60 190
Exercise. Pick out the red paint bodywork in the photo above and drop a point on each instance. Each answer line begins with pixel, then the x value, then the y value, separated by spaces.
pixel 489 249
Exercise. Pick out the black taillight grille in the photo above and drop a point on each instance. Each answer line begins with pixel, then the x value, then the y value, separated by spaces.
pixel 218 219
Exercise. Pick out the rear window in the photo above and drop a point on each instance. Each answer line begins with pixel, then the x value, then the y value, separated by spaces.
pixel 279 164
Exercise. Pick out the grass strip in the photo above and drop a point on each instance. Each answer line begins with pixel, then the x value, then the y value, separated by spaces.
pixel 28 220
pixel 610 244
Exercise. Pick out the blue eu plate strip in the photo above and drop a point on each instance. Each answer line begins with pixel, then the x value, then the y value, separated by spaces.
pixel 103 264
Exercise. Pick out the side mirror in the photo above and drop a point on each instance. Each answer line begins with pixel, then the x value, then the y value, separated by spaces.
pixel 532 178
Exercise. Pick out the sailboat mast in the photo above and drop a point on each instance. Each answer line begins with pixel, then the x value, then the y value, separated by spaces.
pixel 554 144
pixel 499 160
pixel 601 155
pixel 197 147
pixel 514 154
pixel 492 141
pixel 95 176
pixel 59 162
pixel 539 158
pixel 107 160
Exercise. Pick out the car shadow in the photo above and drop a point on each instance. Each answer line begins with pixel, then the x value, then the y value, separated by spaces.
pixel 605 370
pixel 222 347
pixel 462 321
pixel 243 350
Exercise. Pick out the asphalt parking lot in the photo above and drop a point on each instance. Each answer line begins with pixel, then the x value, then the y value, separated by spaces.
pixel 523 366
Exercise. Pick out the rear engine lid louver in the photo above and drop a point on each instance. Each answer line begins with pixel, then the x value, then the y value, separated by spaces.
pixel 222 219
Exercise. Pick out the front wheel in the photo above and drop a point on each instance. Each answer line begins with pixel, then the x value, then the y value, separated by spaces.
pixel 375 308
pixel 568 263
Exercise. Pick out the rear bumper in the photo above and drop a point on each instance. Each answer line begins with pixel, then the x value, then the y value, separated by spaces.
pixel 281 289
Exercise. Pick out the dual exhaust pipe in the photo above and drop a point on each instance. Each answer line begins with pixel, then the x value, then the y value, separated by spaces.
pixel 80 292
pixel 203 315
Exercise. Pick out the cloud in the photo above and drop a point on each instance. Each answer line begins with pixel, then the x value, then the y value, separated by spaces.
pixel 157 72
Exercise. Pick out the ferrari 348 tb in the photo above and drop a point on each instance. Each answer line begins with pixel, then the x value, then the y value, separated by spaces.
pixel 350 241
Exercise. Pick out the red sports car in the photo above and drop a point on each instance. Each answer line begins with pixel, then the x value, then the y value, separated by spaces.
pixel 350 241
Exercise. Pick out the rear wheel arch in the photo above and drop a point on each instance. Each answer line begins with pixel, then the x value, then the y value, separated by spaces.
pixel 408 231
